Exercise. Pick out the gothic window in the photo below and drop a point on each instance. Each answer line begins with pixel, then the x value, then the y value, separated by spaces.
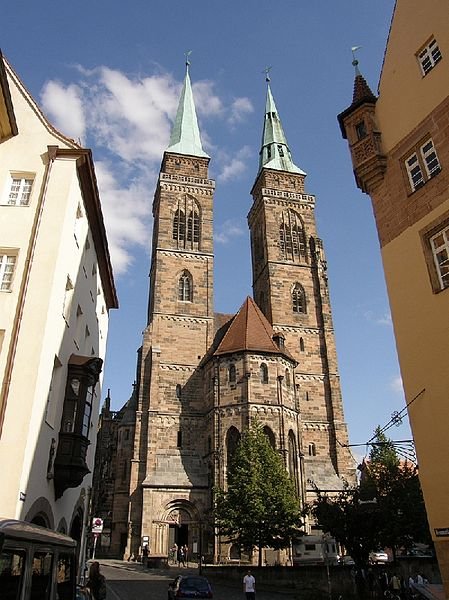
pixel 186 223
pixel 301 344
pixel 179 226
pixel 287 378
pixel 263 373
pixel 291 236
pixel 193 227
pixel 232 374
pixel 185 287
pixel 178 391
pixel 298 299
pixel 292 456
pixel 312 449
pixel 270 436
pixel 232 441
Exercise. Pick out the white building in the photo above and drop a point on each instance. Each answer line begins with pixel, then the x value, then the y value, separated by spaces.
pixel 56 290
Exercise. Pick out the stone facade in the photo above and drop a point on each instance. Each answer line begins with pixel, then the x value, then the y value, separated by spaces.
pixel 203 377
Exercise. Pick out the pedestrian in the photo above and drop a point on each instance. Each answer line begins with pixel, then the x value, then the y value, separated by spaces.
pixel 186 553
pixel 395 584
pixel 180 556
pixel 96 582
pixel 249 586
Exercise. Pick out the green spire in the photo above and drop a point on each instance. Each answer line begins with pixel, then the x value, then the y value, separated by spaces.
pixel 275 153
pixel 185 136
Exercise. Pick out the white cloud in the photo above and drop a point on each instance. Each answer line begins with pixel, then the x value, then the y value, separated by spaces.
pixel 396 384
pixel 227 230
pixel 207 102
pixel 239 109
pixel 235 165
pixel 128 122
pixel 384 320
pixel 65 106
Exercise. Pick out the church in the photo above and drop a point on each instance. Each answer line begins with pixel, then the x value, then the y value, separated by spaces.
pixel 203 377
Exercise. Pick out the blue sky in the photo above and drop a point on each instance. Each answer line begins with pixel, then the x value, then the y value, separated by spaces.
pixel 109 73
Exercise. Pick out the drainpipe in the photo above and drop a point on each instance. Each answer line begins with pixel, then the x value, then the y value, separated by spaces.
pixel 15 330
pixel 84 535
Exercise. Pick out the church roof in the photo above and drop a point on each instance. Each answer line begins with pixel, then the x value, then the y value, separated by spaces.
pixel 275 153
pixel 185 136
pixel 249 331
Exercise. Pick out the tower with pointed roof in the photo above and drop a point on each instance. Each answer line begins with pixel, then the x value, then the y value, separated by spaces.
pixel 291 288
pixel 202 378
pixel 168 460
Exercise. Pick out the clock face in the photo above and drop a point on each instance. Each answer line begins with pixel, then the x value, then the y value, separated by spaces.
pixel 75 385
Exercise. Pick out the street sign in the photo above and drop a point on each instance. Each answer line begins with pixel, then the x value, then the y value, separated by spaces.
pixel 97 525
pixel 442 532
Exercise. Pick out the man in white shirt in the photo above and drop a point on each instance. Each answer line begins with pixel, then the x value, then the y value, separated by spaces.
pixel 249 586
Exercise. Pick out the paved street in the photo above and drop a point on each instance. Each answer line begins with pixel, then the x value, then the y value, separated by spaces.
pixel 130 581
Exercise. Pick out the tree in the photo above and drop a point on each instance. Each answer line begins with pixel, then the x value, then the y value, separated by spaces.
pixel 350 520
pixel 260 507
pixel 385 511
pixel 403 518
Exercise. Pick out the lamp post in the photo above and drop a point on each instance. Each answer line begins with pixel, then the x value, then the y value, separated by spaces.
pixel 326 562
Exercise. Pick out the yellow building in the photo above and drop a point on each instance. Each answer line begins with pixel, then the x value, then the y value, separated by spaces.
pixel 399 145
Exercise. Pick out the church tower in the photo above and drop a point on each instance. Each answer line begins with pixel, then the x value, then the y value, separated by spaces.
pixel 168 447
pixel 291 288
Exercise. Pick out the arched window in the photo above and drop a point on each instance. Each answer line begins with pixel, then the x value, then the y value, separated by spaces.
pixel 232 441
pixel 298 299
pixel 185 291
pixel 292 456
pixel 179 226
pixel 312 449
pixel 186 223
pixel 193 226
pixel 232 374
pixel 178 391
pixel 292 239
pixel 287 378
pixel 263 373
pixel 301 344
pixel 270 436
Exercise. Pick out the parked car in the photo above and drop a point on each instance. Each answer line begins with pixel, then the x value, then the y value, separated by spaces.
pixel 189 586
pixel 347 560
pixel 378 557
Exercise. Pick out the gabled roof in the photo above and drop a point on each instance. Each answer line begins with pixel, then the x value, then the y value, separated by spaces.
pixel 185 136
pixel 8 125
pixel 249 331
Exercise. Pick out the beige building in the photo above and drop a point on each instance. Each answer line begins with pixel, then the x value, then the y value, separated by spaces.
pixel 56 290
pixel 203 377
pixel 399 146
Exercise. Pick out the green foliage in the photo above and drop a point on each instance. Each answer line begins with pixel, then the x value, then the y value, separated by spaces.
pixel 386 511
pixel 260 507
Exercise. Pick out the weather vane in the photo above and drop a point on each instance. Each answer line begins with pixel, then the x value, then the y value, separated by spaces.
pixel 267 74
pixel 354 49
pixel 187 55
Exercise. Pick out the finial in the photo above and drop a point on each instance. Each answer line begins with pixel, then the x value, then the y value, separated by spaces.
pixel 355 62
pixel 187 54
pixel 267 74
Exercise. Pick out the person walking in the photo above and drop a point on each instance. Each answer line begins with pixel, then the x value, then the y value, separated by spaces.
pixel 96 582
pixel 249 586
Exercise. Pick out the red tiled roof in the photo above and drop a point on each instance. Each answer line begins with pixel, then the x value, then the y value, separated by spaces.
pixel 249 330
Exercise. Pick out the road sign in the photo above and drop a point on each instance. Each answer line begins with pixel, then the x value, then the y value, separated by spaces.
pixel 97 525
